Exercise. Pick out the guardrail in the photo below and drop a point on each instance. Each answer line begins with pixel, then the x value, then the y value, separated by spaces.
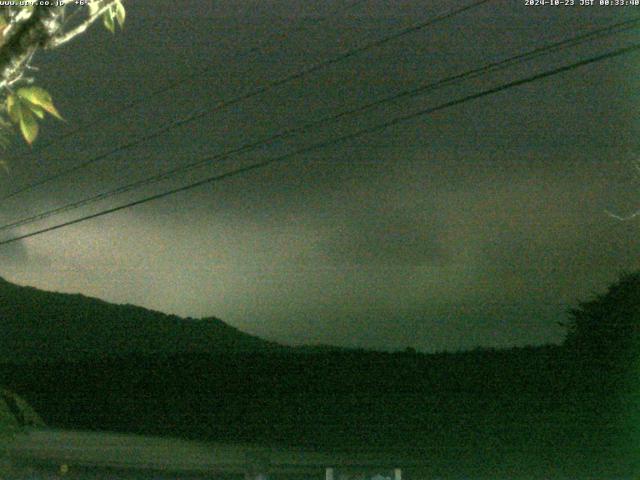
pixel 66 452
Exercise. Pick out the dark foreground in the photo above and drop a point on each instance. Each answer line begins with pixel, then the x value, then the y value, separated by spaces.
pixel 51 454
pixel 538 413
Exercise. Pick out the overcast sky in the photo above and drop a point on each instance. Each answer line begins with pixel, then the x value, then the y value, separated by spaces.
pixel 478 225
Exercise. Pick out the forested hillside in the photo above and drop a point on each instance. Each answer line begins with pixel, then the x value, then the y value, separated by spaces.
pixel 558 408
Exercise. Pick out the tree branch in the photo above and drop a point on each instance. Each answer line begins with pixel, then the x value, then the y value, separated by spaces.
pixel 80 29
pixel 22 42
pixel 16 18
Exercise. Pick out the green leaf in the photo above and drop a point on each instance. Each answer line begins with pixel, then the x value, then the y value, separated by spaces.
pixel 38 111
pixel 5 166
pixel 28 125
pixel 38 100
pixel 121 13
pixel 13 108
pixel 107 19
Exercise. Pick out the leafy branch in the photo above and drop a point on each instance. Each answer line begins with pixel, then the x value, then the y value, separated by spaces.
pixel 28 105
pixel 23 31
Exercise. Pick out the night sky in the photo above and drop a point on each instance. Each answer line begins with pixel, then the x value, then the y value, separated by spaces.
pixel 478 225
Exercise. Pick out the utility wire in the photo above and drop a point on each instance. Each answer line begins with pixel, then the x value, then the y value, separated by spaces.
pixel 324 144
pixel 180 81
pixel 421 90
pixel 252 93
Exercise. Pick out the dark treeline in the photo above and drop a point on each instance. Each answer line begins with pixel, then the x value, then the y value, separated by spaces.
pixel 485 404
pixel 566 408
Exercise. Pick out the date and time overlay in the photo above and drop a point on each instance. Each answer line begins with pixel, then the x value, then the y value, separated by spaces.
pixel 582 3
pixel 43 3
pixel 528 3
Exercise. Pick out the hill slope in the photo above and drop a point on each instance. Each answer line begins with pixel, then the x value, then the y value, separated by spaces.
pixel 38 325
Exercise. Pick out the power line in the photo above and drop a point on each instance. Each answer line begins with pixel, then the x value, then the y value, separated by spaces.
pixel 455 79
pixel 341 139
pixel 258 91
pixel 178 82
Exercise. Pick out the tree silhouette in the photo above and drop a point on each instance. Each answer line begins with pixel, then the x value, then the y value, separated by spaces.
pixel 603 347
pixel 606 328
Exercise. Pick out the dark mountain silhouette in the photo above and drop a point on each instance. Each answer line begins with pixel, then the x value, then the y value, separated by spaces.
pixel 561 411
pixel 45 326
